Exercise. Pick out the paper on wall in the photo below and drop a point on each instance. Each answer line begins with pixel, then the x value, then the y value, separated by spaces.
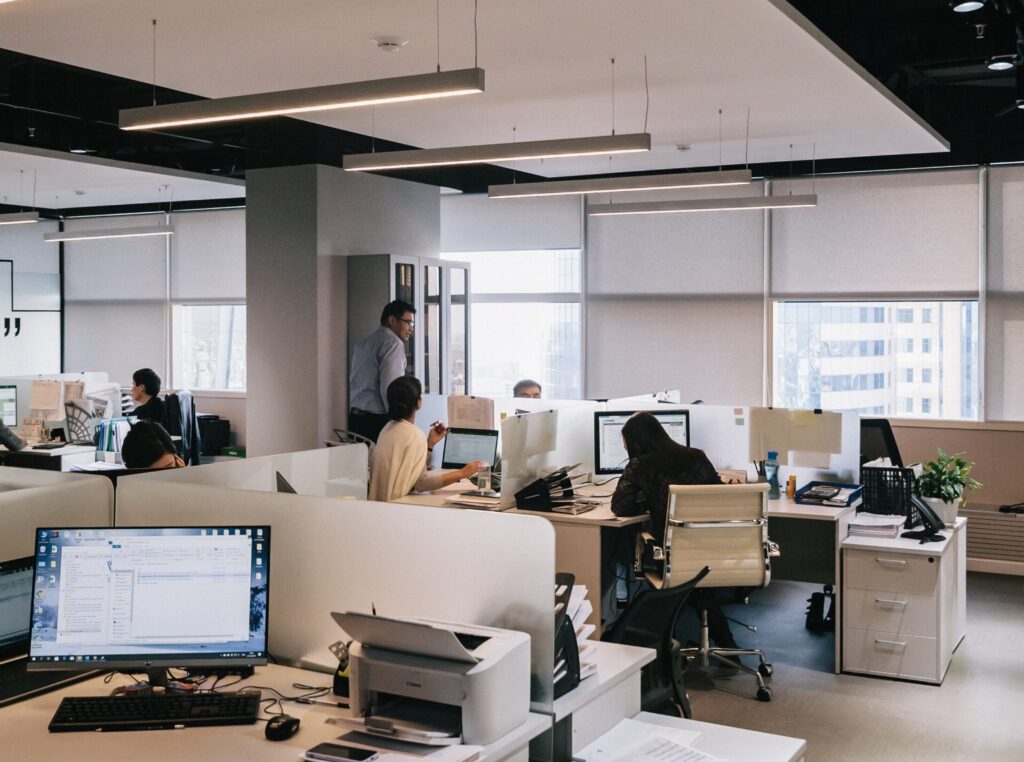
pixel 816 432
pixel 73 390
pixel 541 432
pixel 470 412
pixel 45 400
pixel 810 459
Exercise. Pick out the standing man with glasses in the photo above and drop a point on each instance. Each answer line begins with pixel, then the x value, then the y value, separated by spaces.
pixel 378 360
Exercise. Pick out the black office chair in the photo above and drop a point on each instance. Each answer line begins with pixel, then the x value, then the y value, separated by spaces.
pixel 649 621
pixel 878 441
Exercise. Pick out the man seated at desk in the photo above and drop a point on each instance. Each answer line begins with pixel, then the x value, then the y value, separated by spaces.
pixel 400 457
pixel 145 388
pixel 527 388
pixel 656 461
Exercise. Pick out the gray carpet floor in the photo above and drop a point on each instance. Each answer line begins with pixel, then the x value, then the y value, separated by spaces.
pixel 976 714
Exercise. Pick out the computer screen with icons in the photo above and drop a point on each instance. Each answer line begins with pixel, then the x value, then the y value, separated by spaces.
pixel 9 405
pixel 116 598
pixel 610 455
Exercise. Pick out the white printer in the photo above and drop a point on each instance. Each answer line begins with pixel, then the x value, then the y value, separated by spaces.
pixel 435 682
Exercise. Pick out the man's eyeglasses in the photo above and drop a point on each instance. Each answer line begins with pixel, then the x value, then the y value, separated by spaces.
pixel 410 323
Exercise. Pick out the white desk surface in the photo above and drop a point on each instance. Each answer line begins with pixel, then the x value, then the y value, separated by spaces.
pixel 724 742
pixel 901 545
pixel 615 662
pixel 787 507
pixel 65 450
pixel 25 736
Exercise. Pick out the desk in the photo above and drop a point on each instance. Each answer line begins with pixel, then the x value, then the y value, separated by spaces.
pixel 60 459
pixel 578 539
pixel 26 737
pixel 724 742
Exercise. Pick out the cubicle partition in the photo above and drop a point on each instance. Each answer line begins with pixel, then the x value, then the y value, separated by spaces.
pixel 354 555
pixel 327 472
pixel 31 498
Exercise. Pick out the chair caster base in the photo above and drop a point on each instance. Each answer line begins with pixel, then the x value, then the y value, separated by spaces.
pixel 766 670
pixel 764 694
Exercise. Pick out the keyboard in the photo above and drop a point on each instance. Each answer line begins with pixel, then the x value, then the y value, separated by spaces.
pixel 155 712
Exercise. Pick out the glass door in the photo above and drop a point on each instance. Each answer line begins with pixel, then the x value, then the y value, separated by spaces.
pixel 404 288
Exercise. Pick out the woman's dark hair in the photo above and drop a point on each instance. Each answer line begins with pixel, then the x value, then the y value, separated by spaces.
pixel 403 396
pixel 147 377
pixel 644 436
pixel 145 444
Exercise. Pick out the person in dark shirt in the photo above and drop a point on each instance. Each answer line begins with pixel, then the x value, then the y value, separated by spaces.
pixel 145 388
pixel 656 461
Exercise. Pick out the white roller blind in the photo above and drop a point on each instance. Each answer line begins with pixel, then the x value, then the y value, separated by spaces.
pixel 887 235
pixel 115 268
pixel 118 338
pixel 208 256
pixel 708 348
pixel 694 253
pixel 1004 307
pixel 478 223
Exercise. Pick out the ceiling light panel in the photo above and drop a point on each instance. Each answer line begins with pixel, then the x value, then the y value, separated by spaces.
pixel 93 235
pixel 19 218
pixel 374 92
pixel 536 149
pixel 621 184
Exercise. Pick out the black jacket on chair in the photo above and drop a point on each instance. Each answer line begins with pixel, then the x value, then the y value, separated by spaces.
pixel 180 420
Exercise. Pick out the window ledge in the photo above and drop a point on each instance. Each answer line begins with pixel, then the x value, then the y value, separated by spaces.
pixel 217 394
pixel 917 423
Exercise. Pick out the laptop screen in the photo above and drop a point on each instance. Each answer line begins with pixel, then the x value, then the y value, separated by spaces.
pixel 15 599
pixel 463 445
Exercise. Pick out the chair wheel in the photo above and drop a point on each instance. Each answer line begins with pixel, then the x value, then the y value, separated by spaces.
pixel 765 670
pixel 764 694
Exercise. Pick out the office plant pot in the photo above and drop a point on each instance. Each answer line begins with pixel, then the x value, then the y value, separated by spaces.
pixel 946 511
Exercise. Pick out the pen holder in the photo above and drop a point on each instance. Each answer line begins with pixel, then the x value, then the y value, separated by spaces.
pixel 540 495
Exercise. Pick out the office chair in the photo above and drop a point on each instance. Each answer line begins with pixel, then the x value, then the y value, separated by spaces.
pixel 649 621
pixel 350 437
pixel 723 527
pixel 878 441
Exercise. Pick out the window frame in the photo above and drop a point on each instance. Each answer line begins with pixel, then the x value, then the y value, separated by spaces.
pixel 172 367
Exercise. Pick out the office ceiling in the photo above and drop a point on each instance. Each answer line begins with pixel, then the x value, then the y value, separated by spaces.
pixel 548 74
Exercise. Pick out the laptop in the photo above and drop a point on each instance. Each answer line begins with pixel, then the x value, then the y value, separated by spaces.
pixel 464 445
pixel 16 617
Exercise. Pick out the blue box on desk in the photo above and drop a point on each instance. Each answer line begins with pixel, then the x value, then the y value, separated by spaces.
pixel 851 499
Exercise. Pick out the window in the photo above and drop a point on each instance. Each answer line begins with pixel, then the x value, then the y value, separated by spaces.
pixel 842 356
pixel 527 320
pixel 904 316
pixel 208 346
pixel 926 405
pixel 926 315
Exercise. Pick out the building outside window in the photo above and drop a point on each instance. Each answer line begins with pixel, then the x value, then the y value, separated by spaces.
pixel 926 346
pixel 527 320
pixel 208 346
pixel 904 316
pixel 859 356
pixel 926 315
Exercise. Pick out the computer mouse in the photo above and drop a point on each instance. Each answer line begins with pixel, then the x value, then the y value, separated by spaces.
pixel 281 727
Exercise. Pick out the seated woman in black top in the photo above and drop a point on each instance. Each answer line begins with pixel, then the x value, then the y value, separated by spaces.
pixel 656 461
pixel 145 387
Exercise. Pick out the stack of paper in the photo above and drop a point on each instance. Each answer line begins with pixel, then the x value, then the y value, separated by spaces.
pixel 874 525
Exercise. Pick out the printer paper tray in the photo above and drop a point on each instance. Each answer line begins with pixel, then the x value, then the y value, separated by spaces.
pixel 409 720
pixel 410 736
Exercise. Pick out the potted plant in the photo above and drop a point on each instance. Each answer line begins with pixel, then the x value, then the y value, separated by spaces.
pixel 944 482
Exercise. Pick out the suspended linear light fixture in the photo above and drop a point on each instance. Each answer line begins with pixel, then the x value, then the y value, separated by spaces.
pixel 705 205
pixel 94 235
pixel 19 218
pixel 622 184
pixel 535 149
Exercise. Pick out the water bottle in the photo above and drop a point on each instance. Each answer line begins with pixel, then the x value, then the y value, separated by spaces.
pixel 771 472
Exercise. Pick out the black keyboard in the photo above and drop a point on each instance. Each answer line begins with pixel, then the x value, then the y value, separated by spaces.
pixel 155 712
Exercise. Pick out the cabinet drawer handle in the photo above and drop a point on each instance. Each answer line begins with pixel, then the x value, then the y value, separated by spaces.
pixel 894 643
pixel 893 562
pixel 885 602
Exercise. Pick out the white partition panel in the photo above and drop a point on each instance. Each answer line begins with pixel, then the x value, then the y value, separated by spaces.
pixel 91 379
pixel 328 472
pixel 352 555
pixel 31 498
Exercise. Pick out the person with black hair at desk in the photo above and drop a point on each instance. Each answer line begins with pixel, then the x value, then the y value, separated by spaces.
pixel 145 388
pixel 148 445
pixel 402 452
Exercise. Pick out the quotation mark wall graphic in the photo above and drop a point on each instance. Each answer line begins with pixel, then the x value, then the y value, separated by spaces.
pixel 12 325
pixel 7 326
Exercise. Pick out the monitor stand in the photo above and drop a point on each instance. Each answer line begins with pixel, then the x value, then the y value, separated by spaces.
pixel 157 677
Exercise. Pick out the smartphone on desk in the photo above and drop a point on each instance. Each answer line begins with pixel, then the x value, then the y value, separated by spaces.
pixel 336 752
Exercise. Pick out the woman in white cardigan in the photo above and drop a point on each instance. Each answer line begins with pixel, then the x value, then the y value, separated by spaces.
pixel 400 457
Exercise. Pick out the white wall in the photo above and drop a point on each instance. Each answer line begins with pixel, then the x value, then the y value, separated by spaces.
pixel 29 300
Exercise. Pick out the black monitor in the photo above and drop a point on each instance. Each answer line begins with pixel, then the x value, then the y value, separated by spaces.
pixel 878 441
pixel 610 452
pixel 149 598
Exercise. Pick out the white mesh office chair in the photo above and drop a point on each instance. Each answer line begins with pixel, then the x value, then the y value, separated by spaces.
pixel 725 528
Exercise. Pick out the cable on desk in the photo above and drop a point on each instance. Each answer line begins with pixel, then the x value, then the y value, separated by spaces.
pixel 311 691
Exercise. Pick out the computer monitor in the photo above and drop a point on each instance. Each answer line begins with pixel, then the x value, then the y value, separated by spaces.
pixel 15 595
pixel 610 455
pixel 9 405
pixel 464 445
pixel 148 598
